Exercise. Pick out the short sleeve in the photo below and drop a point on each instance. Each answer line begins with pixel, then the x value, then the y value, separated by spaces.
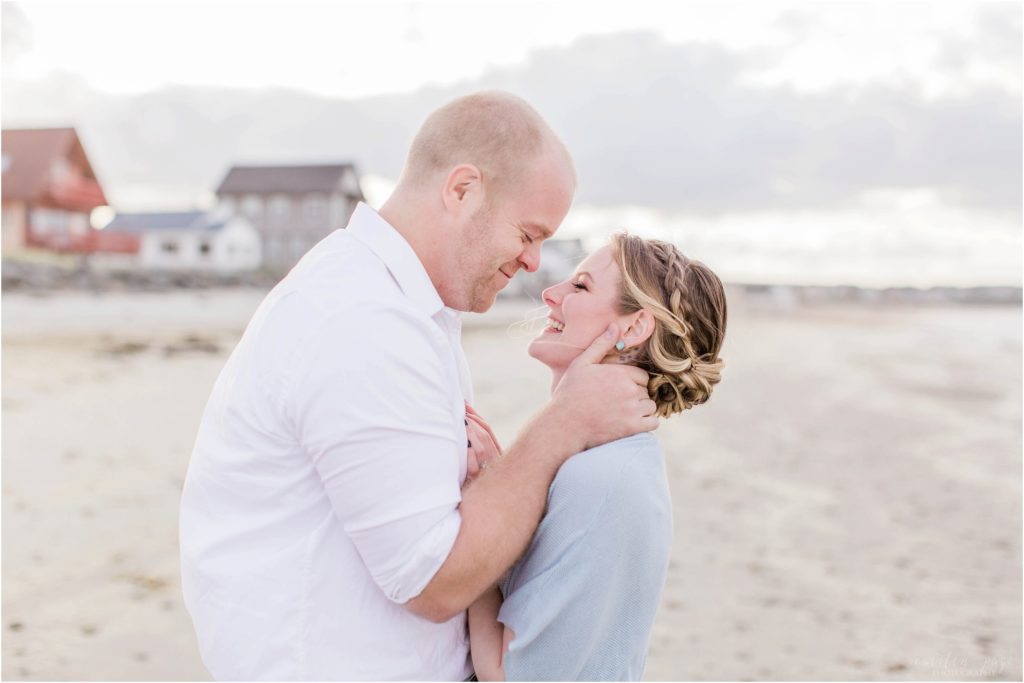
pixel 583 600
pixel 373 410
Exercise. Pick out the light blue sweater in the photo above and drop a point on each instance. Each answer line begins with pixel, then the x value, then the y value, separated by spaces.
pixel 582 600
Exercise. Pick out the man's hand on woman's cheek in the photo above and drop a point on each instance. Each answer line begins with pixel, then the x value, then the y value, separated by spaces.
pixel 603 403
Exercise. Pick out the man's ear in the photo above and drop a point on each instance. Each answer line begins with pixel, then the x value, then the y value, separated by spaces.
pixel 463 189
pixel 639 330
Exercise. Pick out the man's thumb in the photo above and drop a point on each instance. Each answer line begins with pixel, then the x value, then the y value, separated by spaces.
pixel 599 348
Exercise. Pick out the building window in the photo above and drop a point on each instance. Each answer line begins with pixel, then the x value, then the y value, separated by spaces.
pixel 169 247
pixel 315 208
pixel 252 206
pixel 338 215
pixel 78 223
pixel 204 249
pixel 50 221
pixel 350 184
pixel 274 249
pixel 279 208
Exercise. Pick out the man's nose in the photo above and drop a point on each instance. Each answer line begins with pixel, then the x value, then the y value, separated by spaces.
pixel 530 258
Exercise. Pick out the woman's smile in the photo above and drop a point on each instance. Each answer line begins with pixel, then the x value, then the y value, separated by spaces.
pixel 554 326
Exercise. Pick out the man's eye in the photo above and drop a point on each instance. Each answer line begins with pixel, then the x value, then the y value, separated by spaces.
pixel 528 238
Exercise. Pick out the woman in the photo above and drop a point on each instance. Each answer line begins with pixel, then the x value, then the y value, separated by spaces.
pixel 580 603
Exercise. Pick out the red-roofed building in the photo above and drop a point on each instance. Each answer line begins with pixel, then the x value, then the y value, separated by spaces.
pixel 49 191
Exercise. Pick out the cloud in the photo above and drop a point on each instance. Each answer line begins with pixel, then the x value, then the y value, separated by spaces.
pixel 993 44
pixel 674 125
pixel 668 125
pixel 17 32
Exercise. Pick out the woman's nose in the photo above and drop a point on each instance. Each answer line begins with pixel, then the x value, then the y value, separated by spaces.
pixel 548 295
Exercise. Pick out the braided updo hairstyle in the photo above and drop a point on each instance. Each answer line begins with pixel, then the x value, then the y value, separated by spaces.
pixel 687 302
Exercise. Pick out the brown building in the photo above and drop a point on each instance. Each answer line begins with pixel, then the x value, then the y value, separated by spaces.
pixel 49 190
pixel 292 207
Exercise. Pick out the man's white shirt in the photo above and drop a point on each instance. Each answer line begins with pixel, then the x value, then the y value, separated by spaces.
pixel 324 487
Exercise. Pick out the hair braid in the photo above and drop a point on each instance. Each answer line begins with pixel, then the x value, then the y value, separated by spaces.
pixel 687 301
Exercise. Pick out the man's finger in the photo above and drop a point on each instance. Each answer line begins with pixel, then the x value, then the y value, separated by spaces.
pixel 638 375
pixel 649 424
pixel 599 348
pixel 648 407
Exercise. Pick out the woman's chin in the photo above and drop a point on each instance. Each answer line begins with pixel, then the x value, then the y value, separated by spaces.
pixel 548 352
pixel 535 350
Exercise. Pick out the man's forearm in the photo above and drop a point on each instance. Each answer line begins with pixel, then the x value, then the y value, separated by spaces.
pixel 500 513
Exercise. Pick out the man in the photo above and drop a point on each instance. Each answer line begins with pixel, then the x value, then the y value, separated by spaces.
pixel 323 531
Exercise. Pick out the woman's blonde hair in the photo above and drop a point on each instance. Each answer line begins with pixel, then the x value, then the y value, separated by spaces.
pixel 687 302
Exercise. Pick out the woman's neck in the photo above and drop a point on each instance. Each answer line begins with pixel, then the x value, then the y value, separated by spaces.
pixel 556 377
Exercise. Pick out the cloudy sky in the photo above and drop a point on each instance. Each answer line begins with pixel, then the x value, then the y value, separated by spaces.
pixel 699 110
pixel 355 49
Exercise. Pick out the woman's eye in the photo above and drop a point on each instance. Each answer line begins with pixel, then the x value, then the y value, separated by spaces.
pixel 579 285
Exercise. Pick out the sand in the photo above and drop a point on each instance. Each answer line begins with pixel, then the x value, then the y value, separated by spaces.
pixel 847 506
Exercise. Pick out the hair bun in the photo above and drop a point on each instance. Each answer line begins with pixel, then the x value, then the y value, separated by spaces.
pixel 688 387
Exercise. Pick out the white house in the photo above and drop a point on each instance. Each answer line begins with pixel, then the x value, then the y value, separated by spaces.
pixel 215 241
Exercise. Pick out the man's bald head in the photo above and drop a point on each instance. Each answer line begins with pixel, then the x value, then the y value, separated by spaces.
pixel 497 132
pixel 485 183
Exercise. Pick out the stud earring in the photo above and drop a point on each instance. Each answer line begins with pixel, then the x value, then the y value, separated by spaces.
pixel 620 345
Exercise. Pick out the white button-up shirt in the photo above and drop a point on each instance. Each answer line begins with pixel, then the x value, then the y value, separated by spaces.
pixel 324 487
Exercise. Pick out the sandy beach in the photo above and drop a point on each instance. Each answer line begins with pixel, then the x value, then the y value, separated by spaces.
pixel 847 506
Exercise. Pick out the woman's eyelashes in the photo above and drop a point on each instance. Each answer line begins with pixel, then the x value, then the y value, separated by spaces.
pixel 579 285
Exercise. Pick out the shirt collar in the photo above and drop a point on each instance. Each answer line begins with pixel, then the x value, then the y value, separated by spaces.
pixel 401 261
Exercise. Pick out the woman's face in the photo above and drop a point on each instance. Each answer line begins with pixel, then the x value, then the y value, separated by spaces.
pixel 579 309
